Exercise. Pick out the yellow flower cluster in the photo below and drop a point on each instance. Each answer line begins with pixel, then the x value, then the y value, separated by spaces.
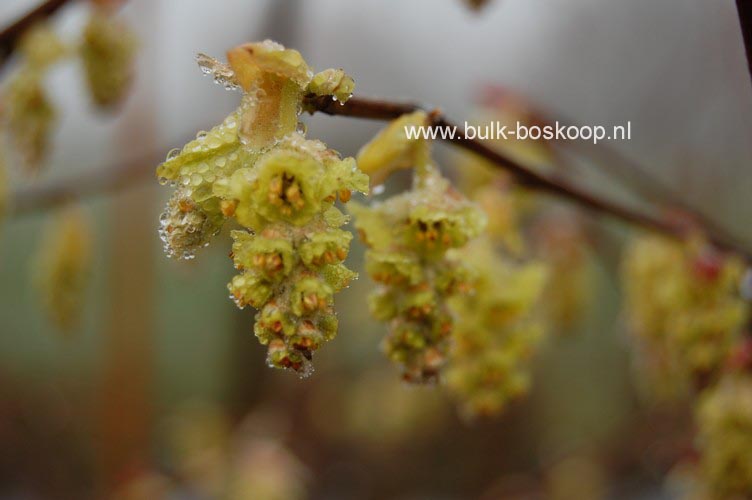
pixel 496 333
pixel 500 328
pixel 724 418
pixel 683 301
pixel 409 236
pixel 107 50
pixel 62 268
pixel 258 170
pixel 28 114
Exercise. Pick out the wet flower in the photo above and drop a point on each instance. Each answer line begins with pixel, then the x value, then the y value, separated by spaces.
pixel 409 237
pixel 257 170
pixel 724 419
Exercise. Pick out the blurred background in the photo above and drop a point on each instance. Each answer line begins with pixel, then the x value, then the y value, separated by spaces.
pixel 163 388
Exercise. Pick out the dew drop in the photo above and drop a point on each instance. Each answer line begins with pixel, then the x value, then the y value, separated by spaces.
pixel 173 154
pixel 307 370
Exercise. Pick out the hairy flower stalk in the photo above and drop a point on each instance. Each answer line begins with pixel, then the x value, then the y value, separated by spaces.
pixel 683 303
pixel 258 170
pixel 409 237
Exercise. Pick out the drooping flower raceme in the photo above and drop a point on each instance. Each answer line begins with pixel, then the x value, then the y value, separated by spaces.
pixel 108 49
pixel 683 300
pixel 259 171
pixel 500 328
pixel 62 268
pixel 724 420
pixel 28 114
pixel 497 331
pixel 409 236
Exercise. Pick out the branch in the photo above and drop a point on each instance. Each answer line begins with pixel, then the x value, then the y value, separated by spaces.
pixel 641 182
pixel 744 9
pixel 10 36
pixel 385 110
pixel 38 198
pixel 43 197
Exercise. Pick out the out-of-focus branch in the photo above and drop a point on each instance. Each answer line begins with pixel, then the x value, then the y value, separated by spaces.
pixel 744 9
pixel 641 182
pixel 629 174
pixel 386 110
pixel 43 197
pixel 38 198
pixel 10 35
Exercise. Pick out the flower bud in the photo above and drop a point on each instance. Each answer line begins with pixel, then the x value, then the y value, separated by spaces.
pixel 333 82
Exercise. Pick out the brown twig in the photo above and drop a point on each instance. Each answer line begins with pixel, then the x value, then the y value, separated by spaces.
pixel 644 184
pixel 744 9
pixel 44 197
pixel 386 110
pixel 10 36
pixel 38 198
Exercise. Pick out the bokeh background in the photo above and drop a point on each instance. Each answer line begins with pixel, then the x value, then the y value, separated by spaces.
pixel 164 385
